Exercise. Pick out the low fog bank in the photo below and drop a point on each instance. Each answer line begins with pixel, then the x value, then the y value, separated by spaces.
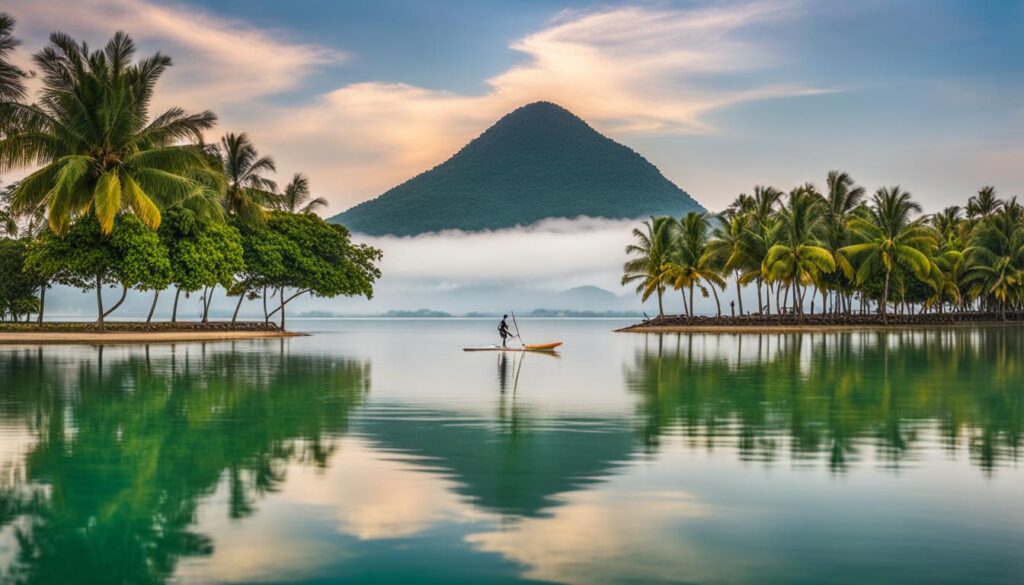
pixel 555 264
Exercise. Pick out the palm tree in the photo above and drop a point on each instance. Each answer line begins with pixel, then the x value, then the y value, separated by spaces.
pixel 296 197
pixel 842 202
pixel 654 244
pixel 995 259
pixel 8 226
pixel 91 131
pixel 984 203
pixel 12 78
pixel 799 258
pixel 759 211
pixel 691 263
pixel 947 279
pixel 890 236
pixel 249 193
pixel 948 224
pixel 726 247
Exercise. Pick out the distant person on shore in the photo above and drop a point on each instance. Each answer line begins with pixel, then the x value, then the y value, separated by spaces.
pixel 503 330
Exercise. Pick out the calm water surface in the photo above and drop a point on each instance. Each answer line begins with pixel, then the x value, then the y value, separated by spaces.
pixel 377 452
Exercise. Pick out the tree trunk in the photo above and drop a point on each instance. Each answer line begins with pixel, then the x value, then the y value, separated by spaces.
pixel 760 301
pixel 42 303
pixel 739 294
pixel 99 303
pixel 174 311
pixel 207 300
pixel 280 293
pixel 883 308
pixel 241 297
pixel 718 305
pixel 266 315
pixel 691 300
pixel 124 294
pixel 149 318
pixel 686 307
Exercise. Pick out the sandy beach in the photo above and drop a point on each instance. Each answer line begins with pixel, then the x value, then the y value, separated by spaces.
pixel 133 337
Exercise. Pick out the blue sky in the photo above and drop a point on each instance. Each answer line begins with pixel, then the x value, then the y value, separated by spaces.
pixel 361 95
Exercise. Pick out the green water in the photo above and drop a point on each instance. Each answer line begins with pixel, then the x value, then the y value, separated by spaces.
pixel 378 452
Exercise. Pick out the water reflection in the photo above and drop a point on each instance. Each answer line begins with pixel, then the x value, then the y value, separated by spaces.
pixel 839 397
pixel 270 461
pixel 125 446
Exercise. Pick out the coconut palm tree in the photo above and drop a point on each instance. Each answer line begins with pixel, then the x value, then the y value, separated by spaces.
pixel 12 78
pixel 249 193
pixel 949 224
pixel 691 264
pixel 296 197
pixel 760 213
pixel 8 226
pixel 995 259
pixel 948 279
pixel 888 236
pixel 842 202
pixel 91 131
pixel 984 203
pixel 727 249
pixel 652 248
pixel 799 258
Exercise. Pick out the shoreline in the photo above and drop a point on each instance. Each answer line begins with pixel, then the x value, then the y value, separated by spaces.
pixel 788 324
pixel 132 337
pixel 837 328
pixel 122 332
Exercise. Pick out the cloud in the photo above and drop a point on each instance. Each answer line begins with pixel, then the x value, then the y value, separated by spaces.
pixel 627 70
pixel 219 63
pixel 612 535
pixel 557 253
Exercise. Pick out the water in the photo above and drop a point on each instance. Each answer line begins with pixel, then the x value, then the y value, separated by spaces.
pixel 377 451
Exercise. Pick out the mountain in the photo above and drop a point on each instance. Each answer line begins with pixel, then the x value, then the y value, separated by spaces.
pixel 538 162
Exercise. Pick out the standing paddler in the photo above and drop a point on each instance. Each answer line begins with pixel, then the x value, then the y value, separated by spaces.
pixel 503 330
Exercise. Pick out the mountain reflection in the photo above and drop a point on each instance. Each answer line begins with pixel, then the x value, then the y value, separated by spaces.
pixel 837 397
pixel 125 445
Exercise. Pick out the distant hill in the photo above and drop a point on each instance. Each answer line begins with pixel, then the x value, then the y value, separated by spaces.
pixel 538 162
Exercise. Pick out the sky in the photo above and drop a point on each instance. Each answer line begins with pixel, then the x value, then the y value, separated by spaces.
pixel 362 95
pixel 720 95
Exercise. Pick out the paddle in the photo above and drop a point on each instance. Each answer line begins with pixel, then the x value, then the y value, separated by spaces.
pixel 517 329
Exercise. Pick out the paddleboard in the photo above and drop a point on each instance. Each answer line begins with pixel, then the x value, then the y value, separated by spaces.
pixel 534 347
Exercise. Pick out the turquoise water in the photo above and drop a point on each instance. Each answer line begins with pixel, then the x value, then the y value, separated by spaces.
pixel 377 451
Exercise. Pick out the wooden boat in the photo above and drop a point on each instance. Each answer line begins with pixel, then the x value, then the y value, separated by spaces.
pixel 533 347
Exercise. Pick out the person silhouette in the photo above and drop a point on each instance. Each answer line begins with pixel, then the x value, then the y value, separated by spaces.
pixel 504 331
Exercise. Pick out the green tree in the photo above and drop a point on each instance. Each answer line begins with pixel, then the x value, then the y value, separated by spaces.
pixel 651 250
pixel 691 263
pixel 86 258
pixel 202 255
pixel 727 249
pixel 12 78
pixel 249 194
pixel 17 287
pixel 759 237
pixel 889 236
pixel 304 253
pixel 100 152
pixel 995 259
pixel 949 224
pixel 985 203
pixel 799 259
pixel 296 197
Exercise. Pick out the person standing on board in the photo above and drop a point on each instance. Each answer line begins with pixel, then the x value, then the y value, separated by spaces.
pixel 503 330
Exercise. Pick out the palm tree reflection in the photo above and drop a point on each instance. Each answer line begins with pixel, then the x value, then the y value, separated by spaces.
pixel 838 397
pixel 124 449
